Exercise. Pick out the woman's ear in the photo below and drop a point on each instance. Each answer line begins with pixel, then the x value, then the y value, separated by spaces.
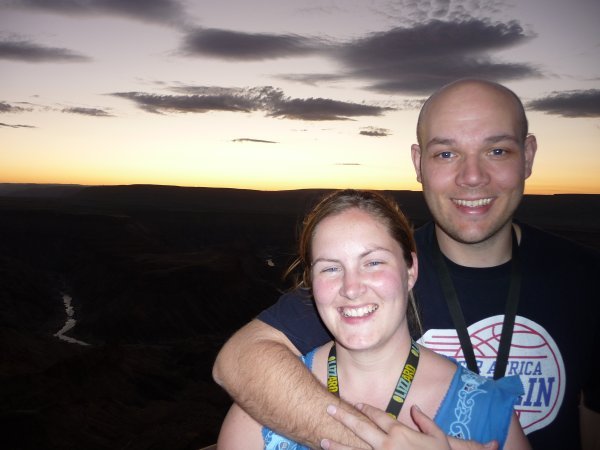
pixel 413 271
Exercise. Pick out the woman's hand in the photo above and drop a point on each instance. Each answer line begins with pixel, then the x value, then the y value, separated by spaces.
pixel 389 434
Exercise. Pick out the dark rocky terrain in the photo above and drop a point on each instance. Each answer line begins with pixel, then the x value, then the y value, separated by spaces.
pixel 160 276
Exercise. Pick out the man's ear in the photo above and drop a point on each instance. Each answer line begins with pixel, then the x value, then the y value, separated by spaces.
pixel 415 153
pixel 529 150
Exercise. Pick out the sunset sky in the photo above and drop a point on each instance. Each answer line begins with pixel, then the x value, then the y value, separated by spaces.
pixel 282 94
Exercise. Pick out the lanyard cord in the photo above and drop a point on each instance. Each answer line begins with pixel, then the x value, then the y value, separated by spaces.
pixel 512 302
pixel 402 386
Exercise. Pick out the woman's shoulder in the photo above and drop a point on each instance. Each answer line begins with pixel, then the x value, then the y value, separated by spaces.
pixel 432 380
pixel 442 366
pixel 316 359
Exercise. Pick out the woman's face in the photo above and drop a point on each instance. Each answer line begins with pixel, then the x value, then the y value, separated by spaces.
pixel 360 280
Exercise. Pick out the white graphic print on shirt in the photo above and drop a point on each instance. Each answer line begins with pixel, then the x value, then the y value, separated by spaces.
pixel 533 356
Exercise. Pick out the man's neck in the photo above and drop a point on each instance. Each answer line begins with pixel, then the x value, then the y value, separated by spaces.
pixel 492 252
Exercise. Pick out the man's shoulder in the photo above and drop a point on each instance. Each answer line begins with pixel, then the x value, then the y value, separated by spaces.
pixel 542 241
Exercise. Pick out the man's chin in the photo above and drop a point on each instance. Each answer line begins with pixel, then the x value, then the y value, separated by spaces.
pixel 468 234
pixel 471 233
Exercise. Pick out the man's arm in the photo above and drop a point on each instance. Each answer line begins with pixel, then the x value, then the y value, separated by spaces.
pixel 590 428
pixel 259 367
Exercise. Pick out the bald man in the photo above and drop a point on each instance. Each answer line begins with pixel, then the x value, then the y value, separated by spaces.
pixel 502 297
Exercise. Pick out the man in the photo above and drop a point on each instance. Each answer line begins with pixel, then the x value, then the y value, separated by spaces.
pixel 505 297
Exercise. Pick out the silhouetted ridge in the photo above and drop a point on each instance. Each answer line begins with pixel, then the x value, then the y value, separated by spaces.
pixel 196 199
pixel 160 277
pixel 39 190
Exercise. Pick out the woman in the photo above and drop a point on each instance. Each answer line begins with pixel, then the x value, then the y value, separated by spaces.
pixel 358 256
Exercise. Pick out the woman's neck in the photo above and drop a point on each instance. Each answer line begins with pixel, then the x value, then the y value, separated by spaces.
pixel 371 375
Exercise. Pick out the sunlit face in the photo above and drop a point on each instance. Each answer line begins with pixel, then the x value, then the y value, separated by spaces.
pixel 473 163
pixel 360 280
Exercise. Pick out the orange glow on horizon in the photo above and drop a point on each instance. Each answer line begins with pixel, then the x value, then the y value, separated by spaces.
pixel 530 188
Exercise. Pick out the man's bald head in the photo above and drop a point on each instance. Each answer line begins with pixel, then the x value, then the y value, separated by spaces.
pixel 470 90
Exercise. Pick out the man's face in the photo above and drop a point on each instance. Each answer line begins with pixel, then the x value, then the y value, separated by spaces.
pixel 472 163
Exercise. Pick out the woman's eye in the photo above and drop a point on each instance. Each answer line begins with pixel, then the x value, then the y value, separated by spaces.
pixel 374 263
pixel 329 269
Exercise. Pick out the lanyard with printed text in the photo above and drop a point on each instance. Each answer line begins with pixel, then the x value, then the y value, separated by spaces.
pixel 402 387
pixel 512 302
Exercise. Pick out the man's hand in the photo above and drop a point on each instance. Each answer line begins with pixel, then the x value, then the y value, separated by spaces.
pixel 389 434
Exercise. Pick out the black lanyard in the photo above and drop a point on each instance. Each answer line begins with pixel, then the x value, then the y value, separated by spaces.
pixel 512 302
pixel 402 387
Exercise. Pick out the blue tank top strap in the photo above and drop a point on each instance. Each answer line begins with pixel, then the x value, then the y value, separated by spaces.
pixel 478 408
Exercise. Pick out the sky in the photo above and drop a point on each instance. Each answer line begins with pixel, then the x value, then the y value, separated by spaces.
pixel 282 94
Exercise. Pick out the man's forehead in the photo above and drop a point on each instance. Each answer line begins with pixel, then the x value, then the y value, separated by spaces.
pixel 493 116
pixel 490 139
pixel 470 97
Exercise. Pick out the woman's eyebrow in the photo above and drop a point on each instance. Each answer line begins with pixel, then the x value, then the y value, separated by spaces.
pixel 362 255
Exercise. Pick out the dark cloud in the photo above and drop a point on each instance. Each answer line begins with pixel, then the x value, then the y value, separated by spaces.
pixel 188 103
pixel 160 11
pixel 569 103
pixel 311 79
pixel 421 58
pixel 375 132
pixel 28 107
pixel 273 102
pixel 30 52
pixel 8 108
pixel 323 109
pixel 87 111
pixel 412 59
pixel 415 11
pixel 433 39
pixel 15 125
pixel 259 141
pixel 241 46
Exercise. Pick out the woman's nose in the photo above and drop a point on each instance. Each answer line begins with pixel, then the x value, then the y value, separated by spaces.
pixel 352 285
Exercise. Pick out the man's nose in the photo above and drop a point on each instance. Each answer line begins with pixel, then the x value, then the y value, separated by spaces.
pixel 473 172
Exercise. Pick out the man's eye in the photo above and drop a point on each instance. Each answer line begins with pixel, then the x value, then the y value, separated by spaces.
pixel 498 152
pixel 445 155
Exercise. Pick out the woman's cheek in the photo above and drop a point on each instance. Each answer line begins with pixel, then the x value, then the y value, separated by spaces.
pixel 323 289
pixel 387 281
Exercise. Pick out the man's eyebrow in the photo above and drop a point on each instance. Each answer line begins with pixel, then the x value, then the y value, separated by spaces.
pixel 489 140
pixel 440 141
pixel 500 138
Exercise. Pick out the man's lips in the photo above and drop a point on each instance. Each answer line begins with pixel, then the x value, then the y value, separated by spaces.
pixel 473 203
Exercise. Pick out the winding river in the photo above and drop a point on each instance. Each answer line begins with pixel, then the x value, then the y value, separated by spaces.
pixel 70 322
